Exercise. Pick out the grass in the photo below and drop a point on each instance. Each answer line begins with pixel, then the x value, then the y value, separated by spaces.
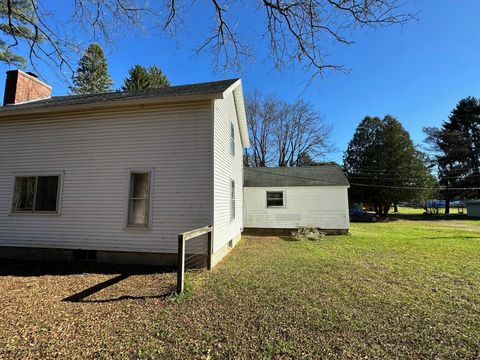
pixel 400 289
pixel 420 211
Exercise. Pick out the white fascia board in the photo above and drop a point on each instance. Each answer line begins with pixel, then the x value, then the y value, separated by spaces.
pixel 237 90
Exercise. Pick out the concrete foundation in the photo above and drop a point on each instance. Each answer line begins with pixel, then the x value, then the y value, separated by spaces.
pixel 224 250
pixel 287 232
pixel 111 257
pixel 100 256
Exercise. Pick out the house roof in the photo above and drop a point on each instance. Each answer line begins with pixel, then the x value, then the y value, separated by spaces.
pixel 322 175
pixel 200 89
pixel 191 92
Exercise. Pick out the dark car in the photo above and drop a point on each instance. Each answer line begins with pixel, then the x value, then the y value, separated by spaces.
pixel 361 215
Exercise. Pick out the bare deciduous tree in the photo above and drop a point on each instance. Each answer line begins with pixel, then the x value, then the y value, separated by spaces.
pixel 297 32
pixel 284 134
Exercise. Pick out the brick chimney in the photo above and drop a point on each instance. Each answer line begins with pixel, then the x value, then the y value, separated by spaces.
pixel 22 87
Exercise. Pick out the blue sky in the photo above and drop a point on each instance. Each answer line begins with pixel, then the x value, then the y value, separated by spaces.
pixel 417 72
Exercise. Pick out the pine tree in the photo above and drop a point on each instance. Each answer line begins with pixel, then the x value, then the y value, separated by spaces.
pixel 138 79
pixel 384 166
pixel 141 78
pixel 456 148
pixel 17 24
pixel 92 75
pixel 157 77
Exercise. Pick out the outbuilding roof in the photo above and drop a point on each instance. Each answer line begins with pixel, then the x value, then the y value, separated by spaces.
pixel 321 175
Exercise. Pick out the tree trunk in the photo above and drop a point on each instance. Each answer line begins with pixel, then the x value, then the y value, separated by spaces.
pixel 447 206
pixel 395 207
pixel 386 208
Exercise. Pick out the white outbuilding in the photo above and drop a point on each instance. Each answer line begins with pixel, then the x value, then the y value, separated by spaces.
pixel 473 208
pixel 286 198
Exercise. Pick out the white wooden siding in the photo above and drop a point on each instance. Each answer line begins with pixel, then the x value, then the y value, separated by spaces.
pixel 473 209
pixel 95 151
pixel 226 168
pixel 323 207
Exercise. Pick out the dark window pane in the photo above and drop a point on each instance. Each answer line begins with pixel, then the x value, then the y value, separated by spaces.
pixel 275 202
pixel 232 200
pixel 139 185
pixel 275 195
pixel 138 205
pixel 23 193
pixel 232 139
pixel 138 212
pixel 274 198
pixel 47 192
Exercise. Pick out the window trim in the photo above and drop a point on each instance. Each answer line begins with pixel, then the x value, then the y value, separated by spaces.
pixel 36 175
pixel 275 206
pixel 150 171
pixel 232 139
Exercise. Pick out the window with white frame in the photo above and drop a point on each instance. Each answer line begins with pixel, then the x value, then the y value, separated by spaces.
pixel 232 139
pixel 274 198
pixel 36 194
pixel 232 200
pixel 139 199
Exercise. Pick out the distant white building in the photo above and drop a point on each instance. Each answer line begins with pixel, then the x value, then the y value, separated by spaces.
pixel 290 197
pixel 119 174
pixel 473 208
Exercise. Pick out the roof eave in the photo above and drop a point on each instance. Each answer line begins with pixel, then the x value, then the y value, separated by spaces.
pixel 111 104
pixel 237 90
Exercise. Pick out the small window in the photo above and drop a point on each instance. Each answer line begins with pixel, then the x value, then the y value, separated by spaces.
pixel 36 194
pixel 232 139
pixel 232 201
pixel 274 198
pixel 139 199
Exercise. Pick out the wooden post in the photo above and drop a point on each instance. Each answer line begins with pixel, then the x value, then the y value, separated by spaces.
pixel 182 239
pixel 210 251
pixel 181 264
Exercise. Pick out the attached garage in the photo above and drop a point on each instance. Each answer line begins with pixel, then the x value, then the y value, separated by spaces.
pixel 286 198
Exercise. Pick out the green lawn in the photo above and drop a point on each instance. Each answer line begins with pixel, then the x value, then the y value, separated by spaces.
pixel 400 289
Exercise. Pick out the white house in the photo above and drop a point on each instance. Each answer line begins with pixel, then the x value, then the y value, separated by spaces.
pixel 119 174
pixel 291 197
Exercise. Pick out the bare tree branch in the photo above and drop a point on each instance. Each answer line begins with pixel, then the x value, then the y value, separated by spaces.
pixel 284 134
pixel 297 32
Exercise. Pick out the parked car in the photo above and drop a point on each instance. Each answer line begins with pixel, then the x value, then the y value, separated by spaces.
pixel 357 214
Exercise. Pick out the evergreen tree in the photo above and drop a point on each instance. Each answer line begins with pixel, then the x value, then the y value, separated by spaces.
pixel 138 79
pixel 456 146
pixel 17 22
pixel 92 75
pixel 384 167
pixel 141 78
pixel 157 77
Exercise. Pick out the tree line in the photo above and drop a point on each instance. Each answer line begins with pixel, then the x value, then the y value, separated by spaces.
pixel 455 151
pixel 92 76
pixel 384 166
pixel 382 163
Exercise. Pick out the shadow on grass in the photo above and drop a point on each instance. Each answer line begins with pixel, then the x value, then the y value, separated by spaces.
pixel 23 268
pixel 290 238
pixel 39 268
pixel 80 296
pixel 450 238
pixel 425 217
